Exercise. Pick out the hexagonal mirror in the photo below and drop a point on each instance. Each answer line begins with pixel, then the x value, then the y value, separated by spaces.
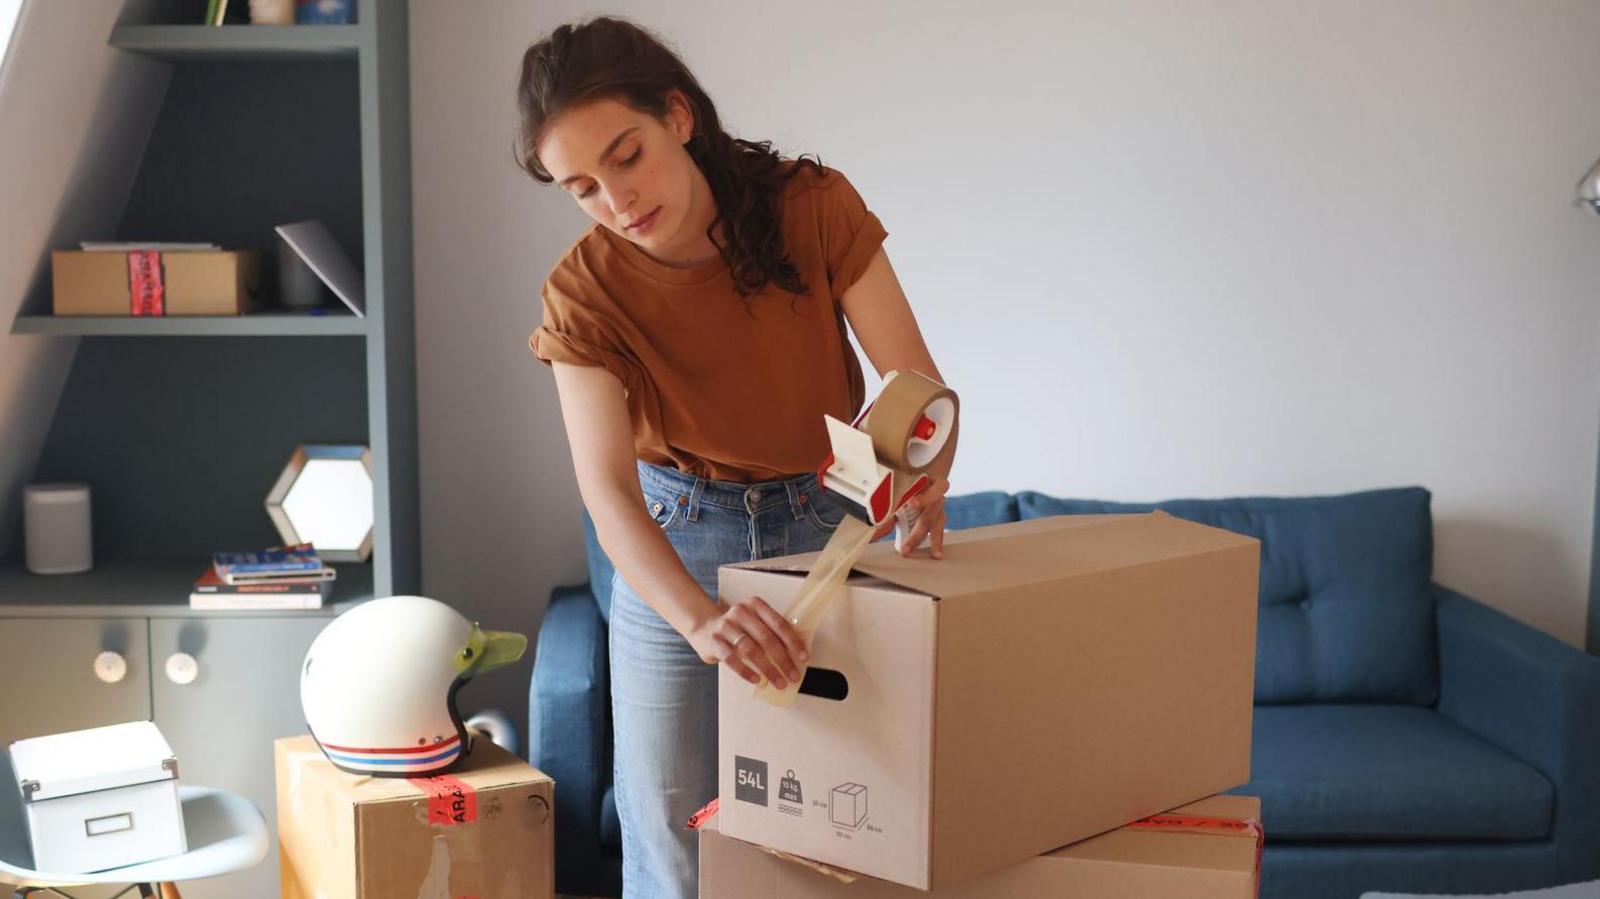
pixel 324 498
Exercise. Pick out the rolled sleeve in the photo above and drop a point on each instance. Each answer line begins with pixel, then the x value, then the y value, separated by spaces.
pixel 852 235
pixel 569 335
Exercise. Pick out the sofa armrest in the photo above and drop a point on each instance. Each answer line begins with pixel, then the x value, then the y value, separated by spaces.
pixel 569 721
pixel 1529 694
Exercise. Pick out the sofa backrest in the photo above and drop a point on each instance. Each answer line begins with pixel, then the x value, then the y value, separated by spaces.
pixel 1346 609
pixel 966 511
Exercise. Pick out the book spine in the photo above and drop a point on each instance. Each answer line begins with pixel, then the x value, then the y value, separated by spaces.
pixel 225 566
pixel 254 601
pixel 319 588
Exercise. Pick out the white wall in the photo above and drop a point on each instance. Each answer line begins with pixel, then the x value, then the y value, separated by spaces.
pixel 1162 249
pixel 75 115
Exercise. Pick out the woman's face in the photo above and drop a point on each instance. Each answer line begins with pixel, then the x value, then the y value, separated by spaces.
pixel 632 174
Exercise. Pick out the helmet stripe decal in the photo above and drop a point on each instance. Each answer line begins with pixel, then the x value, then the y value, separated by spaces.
pixel 365 760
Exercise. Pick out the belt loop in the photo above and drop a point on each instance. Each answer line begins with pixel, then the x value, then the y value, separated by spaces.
pixel 795 498
pixel 694 497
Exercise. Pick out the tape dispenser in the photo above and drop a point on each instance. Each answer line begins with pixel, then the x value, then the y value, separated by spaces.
pixel 879 461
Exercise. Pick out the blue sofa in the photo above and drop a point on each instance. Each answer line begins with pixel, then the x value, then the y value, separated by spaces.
pixel 1406 737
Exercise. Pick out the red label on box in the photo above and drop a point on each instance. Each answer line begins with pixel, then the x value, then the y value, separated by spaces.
pixel 450 801
pixel 146 293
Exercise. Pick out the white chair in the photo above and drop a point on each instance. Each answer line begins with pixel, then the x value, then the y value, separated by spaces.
pixel 225 833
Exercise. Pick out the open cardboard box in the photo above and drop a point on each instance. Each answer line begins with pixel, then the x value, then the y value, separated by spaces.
pixel 1046 681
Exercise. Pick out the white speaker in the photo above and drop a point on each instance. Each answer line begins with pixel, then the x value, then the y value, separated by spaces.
pixel 56 528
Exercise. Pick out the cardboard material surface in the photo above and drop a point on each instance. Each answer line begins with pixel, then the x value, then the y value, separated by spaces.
pixel 1127 863
pixel 483 831
pixel 213 282
pixel 1046 681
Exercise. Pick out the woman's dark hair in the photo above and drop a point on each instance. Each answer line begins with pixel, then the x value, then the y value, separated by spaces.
pixel 613 58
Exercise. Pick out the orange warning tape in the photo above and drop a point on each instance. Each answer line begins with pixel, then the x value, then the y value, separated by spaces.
pixel 450 801
pixel 699 819
pixel 147 292
pixel 1221 826
pixel 1182 823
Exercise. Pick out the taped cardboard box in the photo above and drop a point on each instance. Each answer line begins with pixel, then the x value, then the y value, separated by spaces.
pixel 482 831
pixel 108 282
pixel 1046 681
pixel 1210 849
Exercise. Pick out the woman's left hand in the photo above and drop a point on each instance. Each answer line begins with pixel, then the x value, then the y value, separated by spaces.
pixel 928 506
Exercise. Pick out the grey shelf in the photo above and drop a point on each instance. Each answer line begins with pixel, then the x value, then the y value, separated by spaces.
pixel 155 589
pixel 287 324
pixel 180 43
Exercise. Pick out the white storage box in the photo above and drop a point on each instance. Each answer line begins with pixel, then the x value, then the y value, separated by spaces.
pixel 100 798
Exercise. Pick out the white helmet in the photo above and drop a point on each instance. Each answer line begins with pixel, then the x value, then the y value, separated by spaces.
pixel 379 684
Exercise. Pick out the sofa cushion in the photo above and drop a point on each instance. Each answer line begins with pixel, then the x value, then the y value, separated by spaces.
pixel 1346 610
pixel 1388 772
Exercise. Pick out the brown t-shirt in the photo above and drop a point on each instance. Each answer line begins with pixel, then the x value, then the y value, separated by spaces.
pixel 713 389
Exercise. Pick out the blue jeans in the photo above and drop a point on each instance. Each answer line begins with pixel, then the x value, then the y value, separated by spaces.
pixel 663 697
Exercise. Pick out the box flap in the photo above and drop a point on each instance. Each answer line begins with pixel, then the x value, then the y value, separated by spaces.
pixel 1004 556
pixel 99 758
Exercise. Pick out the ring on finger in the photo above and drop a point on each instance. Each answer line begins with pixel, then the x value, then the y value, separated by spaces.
pixel 736 640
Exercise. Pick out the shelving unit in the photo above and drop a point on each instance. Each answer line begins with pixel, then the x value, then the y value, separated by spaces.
pixel 180 425
pixel 234 43
pixel 261 125
pixel 262 324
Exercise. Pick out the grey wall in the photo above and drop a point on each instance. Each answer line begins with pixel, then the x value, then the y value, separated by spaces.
pixel 75 116
pixel 1161 248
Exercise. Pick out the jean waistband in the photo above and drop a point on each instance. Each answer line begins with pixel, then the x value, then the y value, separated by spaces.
pixel 793 492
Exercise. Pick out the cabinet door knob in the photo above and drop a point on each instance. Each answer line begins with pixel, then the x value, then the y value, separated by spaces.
pixel 110 667
pixel 182 668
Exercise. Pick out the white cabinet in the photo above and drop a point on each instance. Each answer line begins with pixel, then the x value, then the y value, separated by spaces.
pixel 221 686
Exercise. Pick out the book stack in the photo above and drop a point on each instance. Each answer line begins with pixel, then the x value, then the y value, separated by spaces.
pixel 280 577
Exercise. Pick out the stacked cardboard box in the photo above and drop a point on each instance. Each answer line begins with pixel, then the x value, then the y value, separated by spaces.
pixel 483 830
pixel 1046 682
pixel 1209 849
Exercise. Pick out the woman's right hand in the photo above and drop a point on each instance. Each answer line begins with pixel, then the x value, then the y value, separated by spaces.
pixel 754 640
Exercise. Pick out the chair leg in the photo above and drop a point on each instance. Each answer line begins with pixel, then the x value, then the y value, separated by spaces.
pixel 169 891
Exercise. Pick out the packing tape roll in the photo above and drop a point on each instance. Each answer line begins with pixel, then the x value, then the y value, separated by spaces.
pixel 896 419
pixel 902 441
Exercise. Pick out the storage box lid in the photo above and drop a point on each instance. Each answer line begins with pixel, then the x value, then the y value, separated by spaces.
pixel 100 758
pixel 1010 555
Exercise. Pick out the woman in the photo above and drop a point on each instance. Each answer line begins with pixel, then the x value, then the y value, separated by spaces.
pixel 697 338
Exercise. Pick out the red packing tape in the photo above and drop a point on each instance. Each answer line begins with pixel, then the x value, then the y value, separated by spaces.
pixel 147 292
pixel 1221 826
pixel 699 819
pixel 450 801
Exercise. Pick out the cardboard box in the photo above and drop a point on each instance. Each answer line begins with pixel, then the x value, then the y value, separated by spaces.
pixel 100 798
pixel 483 831
pixel 1218 858
pixel 98 282
pixel 1046 681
